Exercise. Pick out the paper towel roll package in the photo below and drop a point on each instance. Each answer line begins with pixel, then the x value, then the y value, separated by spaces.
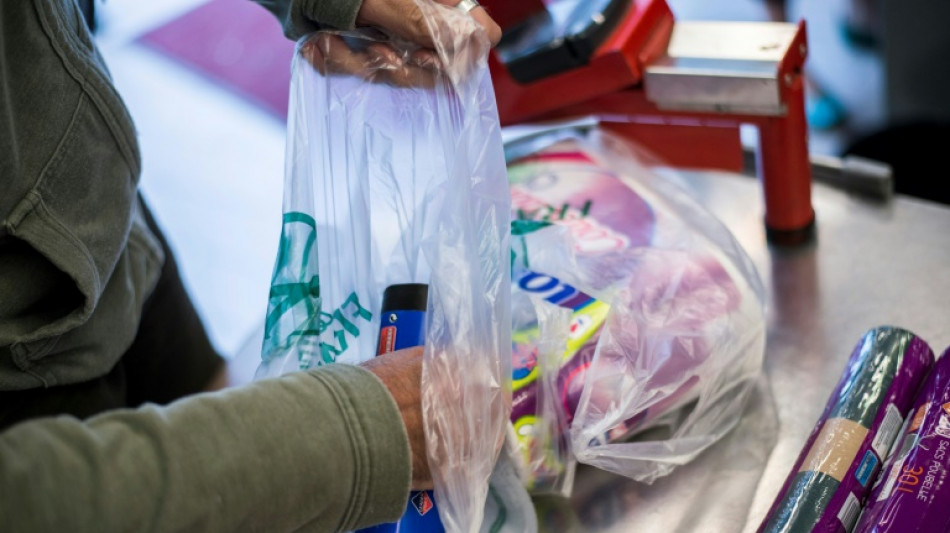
pixel 912 492
pixel 838 465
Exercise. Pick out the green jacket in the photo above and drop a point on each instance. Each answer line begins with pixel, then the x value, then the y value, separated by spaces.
pixel 76 257
pixel 324 450
pixel 316 451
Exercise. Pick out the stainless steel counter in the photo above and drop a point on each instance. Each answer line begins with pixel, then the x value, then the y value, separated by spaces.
pixel 872 264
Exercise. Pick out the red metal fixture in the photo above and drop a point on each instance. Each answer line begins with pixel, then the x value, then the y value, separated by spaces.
pixel 611 86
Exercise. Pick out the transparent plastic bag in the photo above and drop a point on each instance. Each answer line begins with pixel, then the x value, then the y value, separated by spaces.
pixel 668 323
pixel 540 331
pixel 398 176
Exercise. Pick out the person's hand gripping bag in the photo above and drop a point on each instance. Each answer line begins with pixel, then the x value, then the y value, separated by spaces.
pixel 395 173
pixel 667 329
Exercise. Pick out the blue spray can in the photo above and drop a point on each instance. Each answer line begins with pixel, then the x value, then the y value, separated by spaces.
pixel 403 325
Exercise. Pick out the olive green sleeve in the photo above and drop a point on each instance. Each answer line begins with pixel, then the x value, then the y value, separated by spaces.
pixel 299 17
pixel 324 450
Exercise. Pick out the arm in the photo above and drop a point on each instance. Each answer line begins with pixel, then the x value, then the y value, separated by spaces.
pixel 299 17
pixel 401 17
pixel 324 450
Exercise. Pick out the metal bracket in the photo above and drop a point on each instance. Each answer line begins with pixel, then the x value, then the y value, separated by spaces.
pixel 722 67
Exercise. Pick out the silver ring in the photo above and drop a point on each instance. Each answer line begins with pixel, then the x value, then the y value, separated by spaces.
pixel 467 5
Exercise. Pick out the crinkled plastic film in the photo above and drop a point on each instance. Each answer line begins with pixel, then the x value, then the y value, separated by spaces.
pixel 540 330
pixel 669 371
pixel 396 177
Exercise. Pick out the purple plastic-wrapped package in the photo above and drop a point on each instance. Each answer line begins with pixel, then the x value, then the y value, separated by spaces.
pixel 836 469
pixel 912 492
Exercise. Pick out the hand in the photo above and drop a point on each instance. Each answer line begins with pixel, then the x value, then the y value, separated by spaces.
pixel 401 373
pixel 378 62
pixel 403 18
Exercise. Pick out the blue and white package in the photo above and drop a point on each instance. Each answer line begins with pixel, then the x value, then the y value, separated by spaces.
pixel 403 325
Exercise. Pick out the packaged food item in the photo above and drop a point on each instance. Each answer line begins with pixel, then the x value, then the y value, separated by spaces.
pixel 663 325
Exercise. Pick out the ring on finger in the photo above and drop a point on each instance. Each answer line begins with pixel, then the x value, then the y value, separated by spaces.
pixel 467 5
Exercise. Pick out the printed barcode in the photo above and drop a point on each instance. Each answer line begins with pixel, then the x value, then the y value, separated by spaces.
pixel 888 431
pixel 899 439
pixel 849 512
pixel 891 480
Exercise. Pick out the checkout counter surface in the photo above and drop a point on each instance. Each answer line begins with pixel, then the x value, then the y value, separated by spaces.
pixel 872 264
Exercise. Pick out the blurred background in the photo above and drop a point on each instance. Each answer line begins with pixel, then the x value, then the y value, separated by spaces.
pixel 206 82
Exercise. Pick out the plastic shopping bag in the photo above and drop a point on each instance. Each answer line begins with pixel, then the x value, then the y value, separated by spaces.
pixel 394 178
pixel 666 331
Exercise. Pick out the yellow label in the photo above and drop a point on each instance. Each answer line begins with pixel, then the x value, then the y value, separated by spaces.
pixel 585 322
pixel 919 417
pixel 835 448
